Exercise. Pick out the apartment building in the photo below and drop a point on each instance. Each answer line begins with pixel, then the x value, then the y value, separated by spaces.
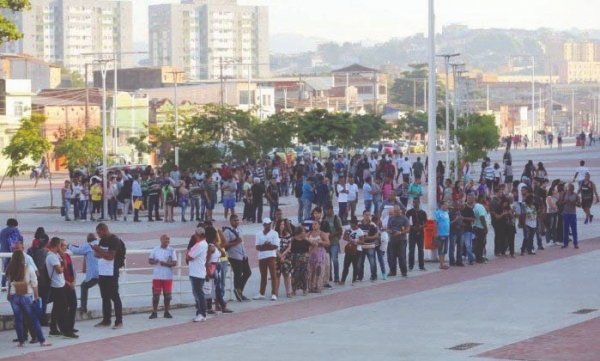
pixel 210 38
pixel 61 31
pixel 578 62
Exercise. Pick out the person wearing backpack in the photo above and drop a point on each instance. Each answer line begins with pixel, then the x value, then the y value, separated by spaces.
pixel 110 252
pixel 9 236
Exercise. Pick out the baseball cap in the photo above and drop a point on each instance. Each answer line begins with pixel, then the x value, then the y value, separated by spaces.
pixel 266 220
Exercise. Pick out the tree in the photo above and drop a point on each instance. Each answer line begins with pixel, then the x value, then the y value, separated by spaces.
pixel 367 129
pixel 8 29
pixel 408 90
pixel 320 126
pixel 480 136
pixel 79 149
pixel 276 131
pixel 141 145
pixel 27 143
pixel 413 123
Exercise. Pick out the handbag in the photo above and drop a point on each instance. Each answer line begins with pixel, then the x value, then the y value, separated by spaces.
pixel 350 249
pixel 210 270
pixel 137 204
pixel 20 288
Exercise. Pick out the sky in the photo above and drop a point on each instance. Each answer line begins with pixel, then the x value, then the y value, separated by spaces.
pixel 380 20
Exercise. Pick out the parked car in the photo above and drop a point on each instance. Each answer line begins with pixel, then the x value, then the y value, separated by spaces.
pixel 319 151
pixel 283 154
pixel 389 148
pixel 373 148
pixel 402 146
pixel 333 150
pixel 416 147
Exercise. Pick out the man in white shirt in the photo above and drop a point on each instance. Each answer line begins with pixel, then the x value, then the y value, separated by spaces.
pixel 196 257
pixel 373 164
pixel 580 172
pixel 406 168
pixel 398 161
pixel 163 258
pixel 342 191
pixel 267 244
pixel 352 196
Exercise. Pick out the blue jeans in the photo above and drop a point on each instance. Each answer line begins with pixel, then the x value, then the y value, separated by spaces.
pixel 300 210
pixel 83 206
pixel 67 207
pixel 370 254
pixel 380 254
pixel 368 204
pixel 468 242
pixel 219 284
pixel 334 250
pixel 223 274
pixel 444 248
pixel 377 206
pixel 202 208
pixel 570 221
pixel 273 206
pixel 25 304
pixel 197 285
pixel 306 205
pixel 342 210
pixel 183 204
pixel 456 242
pixel 194 208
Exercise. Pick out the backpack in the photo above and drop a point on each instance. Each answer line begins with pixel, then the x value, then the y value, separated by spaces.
pixel 13 238
pixel 121 254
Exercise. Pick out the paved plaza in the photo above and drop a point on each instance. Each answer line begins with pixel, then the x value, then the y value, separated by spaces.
pixel 542 307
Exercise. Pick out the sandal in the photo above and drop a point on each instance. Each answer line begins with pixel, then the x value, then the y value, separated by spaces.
pixel 45 344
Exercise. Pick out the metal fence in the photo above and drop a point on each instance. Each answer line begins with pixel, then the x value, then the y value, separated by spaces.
pixel 128 278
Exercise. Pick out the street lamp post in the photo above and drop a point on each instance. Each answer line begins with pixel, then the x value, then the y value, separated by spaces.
pixel 103 69
pixel 446 66
pixel 431 106
pixel 175 75
pixel 455 120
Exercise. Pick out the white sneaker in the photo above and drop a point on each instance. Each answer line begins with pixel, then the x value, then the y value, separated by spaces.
pixel 273 298
pixel 199 318
pixel 258 297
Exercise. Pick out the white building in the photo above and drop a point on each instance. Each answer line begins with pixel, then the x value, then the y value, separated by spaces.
pixel 210 38
pixel 60 31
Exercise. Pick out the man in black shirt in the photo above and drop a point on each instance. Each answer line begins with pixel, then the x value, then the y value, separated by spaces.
pixel 258 191
pixel 153 194
pixel 468 216
pixel 368 247
pixel 418 221
pixel 108 269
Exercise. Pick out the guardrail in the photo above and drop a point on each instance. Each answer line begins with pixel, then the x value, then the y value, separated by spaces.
pixel 126 280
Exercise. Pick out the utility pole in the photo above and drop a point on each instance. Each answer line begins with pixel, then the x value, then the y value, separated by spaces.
pixel 375 86
pixel 455 120
pixel 532 101
pixel 446 66
pixel 87 100
pixel 175 75
pixel 103 69
pixel 431 106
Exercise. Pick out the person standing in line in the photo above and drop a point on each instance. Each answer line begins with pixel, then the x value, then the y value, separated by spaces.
pixel 214 271
pixel 196 258
pixel 530 212
pixel 163 258
pixel 318 262
pixel 70 293
pixel 90 267
pixel 56 265
pixel 455 250
pixel 22 293
pixel 587 191
pixel 108 269
pixel 267 244
pixel 238 258
pixel 66 192
pixel 272 194
pixel 342 192
pixel 398 227
pixel 300 247
pixel 284 258
pixel 258 191
pixel 229 189
pixel 136 194
pixel 442 220
pixel 570 201
pixel 367 195
pixel 354 238
pixel 377 193
pixel 480 228
pixel 153 198
pixel 352 196
pixel 336 230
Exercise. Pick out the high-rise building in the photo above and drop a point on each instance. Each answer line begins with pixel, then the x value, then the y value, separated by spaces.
pixel 210 38
pixel 60 31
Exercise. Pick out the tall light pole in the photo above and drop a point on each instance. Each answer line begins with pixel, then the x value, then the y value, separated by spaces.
pixel 175 75
pixel 103 69
pixel 455 120
pixel 446 68
pixel 431 106
pixel 532 101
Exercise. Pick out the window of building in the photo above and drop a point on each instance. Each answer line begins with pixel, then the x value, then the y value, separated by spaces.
pixel 18 109
pixel 244 97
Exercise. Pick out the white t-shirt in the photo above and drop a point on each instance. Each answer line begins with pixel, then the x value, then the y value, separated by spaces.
pixel 353 189
pixel 57 280
pixel 519 187
pixel 163 254
pixel 581 171
pixel 342 197
pixel 399 161
pixel 262 238
pixel 355 235
pixel 406 167
pixel 30 262
pixel 215 257
pixel 198 263
pixel 372 165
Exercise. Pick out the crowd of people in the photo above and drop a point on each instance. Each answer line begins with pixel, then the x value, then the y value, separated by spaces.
pixel 304 254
